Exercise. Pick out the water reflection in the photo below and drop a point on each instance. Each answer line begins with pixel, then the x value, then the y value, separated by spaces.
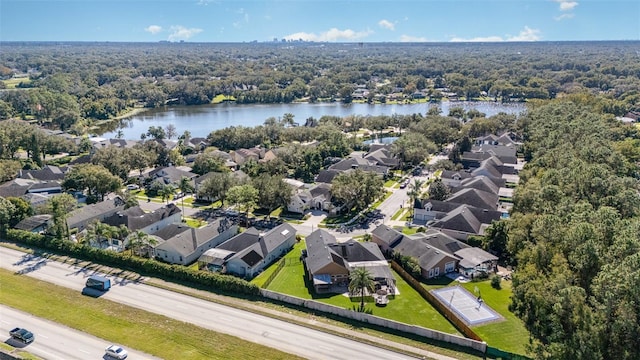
pixel 201 120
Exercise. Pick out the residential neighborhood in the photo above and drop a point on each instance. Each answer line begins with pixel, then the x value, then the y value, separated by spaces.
pixel 300 198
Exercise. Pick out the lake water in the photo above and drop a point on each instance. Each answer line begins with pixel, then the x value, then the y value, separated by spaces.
pixel 382 140
pixel 201 120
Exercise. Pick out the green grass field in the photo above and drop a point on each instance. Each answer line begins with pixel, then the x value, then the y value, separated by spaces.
pixel 154 334
pixel 510 334
pixel 13 82
pixel 408 307
pixel 220 98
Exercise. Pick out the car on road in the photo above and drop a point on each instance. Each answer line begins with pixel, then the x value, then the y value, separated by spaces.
pixel 133 187
pixel 116 352
pixel 23 335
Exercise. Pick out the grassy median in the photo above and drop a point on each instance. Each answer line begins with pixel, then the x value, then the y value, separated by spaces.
pixel 138 329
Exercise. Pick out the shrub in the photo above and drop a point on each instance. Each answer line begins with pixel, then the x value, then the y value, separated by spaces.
pixel 225 283
pixel 495 282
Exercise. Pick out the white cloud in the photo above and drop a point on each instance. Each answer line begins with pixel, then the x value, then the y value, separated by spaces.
pixel 179 32
pixel 564 16
pixel 154 29
pixel 332 34
pixel 527 34
pixel 386 24
pixel 566 5
pixel 409 38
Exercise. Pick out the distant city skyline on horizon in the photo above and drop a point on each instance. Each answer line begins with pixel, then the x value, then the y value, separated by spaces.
pixel 374 21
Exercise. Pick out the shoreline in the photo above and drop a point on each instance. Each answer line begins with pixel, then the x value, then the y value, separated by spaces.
pixel 132 112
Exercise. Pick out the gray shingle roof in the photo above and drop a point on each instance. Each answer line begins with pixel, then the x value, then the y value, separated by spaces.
pixel 382 156
pixel 327 176
pixel 475 198
pixel 186 240
pixel 33 222
pixel 479 183
pixel 467 219
pixel 171 174
pixel 135 218
pixel 386 234
pixel 449 174
pixel 472 257
pixel 319 254
pixel 241 241
pixel 321 190
pixel 252 247
pixel 428 250
pixel 94 210
pixel 47 173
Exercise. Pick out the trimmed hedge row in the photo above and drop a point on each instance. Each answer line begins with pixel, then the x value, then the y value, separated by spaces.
pixel 225 283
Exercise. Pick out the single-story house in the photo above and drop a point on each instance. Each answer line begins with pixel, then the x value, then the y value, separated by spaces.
pixel 435 252
pixel 135 219
pixel 80 218
pixel 182 244
pixel 253 251
pixel 35 224
pixel 453 178
pixel 465 221
pixel 329 262
pixel 170 175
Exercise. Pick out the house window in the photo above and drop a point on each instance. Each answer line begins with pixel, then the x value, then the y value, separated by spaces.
pixel 430 273
pixel 449 267
pixel 436 271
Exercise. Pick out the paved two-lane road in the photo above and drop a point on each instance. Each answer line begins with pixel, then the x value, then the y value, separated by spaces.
pixel 290 338
pixel 54 341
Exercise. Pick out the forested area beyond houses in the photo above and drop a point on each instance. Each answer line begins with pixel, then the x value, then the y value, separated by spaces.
pixel 72 85
pixel 574 233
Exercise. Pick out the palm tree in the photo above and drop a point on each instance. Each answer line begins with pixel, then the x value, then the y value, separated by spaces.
pixel 166 192
pixel 185 187
pixel 414 192
pixel 360 279
pixel 138 240
pixel 121 232
pixel 97 232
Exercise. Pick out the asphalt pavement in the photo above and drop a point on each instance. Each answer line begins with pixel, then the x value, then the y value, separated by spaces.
pixel 54 341
pixel 288 337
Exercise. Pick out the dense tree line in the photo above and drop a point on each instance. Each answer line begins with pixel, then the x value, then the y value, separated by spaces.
pixel 72 85
pixel 574 233
pixel 19 136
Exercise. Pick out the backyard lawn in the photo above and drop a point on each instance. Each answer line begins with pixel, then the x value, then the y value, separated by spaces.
pixel 510 334
pixel 408 307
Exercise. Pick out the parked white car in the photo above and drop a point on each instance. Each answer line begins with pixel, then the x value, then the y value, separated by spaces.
pixel 133 187
pixel 116 352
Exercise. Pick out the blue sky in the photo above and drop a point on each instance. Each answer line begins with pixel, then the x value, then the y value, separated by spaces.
pixel 319 20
